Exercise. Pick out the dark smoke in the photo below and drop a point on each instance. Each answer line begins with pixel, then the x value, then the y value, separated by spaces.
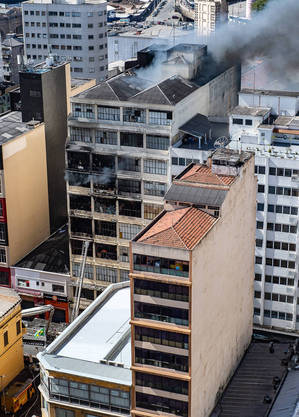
pixel 272 34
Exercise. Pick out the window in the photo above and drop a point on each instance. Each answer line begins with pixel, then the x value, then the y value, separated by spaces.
pixel 3 232
pixel 160 118
pixel 260 188
pixel 80 134
pixel 248 122
pixel 291 247
pixel 106 274
pixel 257 294
pixel 105 205
pixel 128 231
pixel 151 210
pixel 77 37
pixel 91 48
pixel 129 208
pixel 108 113
pixel 258 277
pixel 83 110
pixel 131 139
pixel 282 263
pixel 104 228
pixel 129 164
pixel 90 25
pixel 126 186
pixel 157 142
pixel 258 260
pixel 52 13
pixel 57 288
pixel 18 327
pixel 160 337
pixel 260 206
pixel 259 225
pixel 124 254
pixel 259 243
pixel 161 265
pixel 133 115
pixel 154 188
pixel 4 278
pixel 2 255
pixel 174 161
pixel 5 338
pixel 62 412
pixel 257 311
pixel 294 192
pixel 76 14
pixel 237 121
pixel 161 290
pixel 76 25
pixel 161 313
pixel 153 166
pixel 124 275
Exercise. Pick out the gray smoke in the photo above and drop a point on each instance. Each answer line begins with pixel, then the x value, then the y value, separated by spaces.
pixel 272 34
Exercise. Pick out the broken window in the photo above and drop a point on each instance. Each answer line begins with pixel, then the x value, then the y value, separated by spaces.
pixel 129 208
pixel 151 210
pixel 160 117
pixel 106 251
pixel 154 188
pixel 103 163
pixel 104 183
pixel 76 247
pixel 134 115
pixel 78 161
pixel 81 134
pixel 80 202
pixel 108 113
pixel 105 228
pixel 128 231
pixel 153 166
pixel 107 137
pixel 105 205
pixel 129 186
pixel 131 139
pixel 129 164
pixel 78 180
pixel 81 227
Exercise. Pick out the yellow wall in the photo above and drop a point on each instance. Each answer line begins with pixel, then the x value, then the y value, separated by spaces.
pixel 222 294
pixel 26 192
pixel 11 355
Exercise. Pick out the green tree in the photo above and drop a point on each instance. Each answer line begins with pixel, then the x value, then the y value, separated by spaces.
pixel 259 5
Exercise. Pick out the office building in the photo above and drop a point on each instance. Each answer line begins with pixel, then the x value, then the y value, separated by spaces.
pixel 86 370
pixel 118 153
pixel 191 315
pixel 24 208
pixel 266 123
pixel 70 30
pixel 11 48
pixel 45 96
pixel 11 359
pixel 209 15
pixel 42 276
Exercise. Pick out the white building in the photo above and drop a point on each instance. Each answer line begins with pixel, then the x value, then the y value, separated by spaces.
pixel 209 15
pixel 72 30
pixel 275 139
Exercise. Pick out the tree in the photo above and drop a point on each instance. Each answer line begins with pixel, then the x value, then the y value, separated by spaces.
pixel 259 5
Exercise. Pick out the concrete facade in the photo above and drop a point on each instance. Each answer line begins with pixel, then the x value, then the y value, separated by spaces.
pixel 70 30
pixel 275 143
pixel 209 15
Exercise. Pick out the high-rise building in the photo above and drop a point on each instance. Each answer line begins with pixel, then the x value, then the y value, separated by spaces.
pixel 45 96
pixel 266 123
pixel 11 48
pixel 209 15
pixel 70 30
pixel 118 154
pixel 191 305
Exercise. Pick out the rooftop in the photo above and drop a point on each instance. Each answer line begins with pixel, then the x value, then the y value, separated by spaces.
pixel 290 122
pixel 129 86
pixel 287 401
pixel 202 174
pixel 11 42
pixel 99 335
pixel 52 255
pixel 8 300
pixel 11 126
pixel 281 93
pixel 181 228
pixel 77 82
pixel 253 380
pixel 251 111
pixel 195 195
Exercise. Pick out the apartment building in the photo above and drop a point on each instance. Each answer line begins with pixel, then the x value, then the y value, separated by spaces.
pixel 46 90
pixel 209 15
pixel 24 207
pixel 11 48
pixel 11 359
pixel 118 156
pixel 191 312
pixel 86 370
pixel 70 30
pixel 272 133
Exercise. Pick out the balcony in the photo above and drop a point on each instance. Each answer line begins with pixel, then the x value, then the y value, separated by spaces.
pixel 104 184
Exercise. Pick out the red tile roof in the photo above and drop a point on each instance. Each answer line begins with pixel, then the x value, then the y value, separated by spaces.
pixel 182 228
pixel 203 174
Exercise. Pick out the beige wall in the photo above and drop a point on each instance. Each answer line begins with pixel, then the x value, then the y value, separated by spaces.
pixel 26 192
pixel 222 294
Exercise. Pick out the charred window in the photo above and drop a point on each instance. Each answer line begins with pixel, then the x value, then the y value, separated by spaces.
pixel 80 202
pixel 78 161
pixel 76 179
pixel 131 139
pixel 103 163
pixel 105 205
pixel 129 208
pixel 129 164
pixel 105 228
pixel 129 186
pixel 77 245
pixel 81 227
pixel 106 251
pixel 104 183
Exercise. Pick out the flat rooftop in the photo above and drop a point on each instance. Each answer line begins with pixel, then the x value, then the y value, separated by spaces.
pixel 281 93
pixel 11 126
pixel 52 255
pixel 253 380
pixel 251 111
pixel 97 344
pixel 8 300
pixel 290 122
